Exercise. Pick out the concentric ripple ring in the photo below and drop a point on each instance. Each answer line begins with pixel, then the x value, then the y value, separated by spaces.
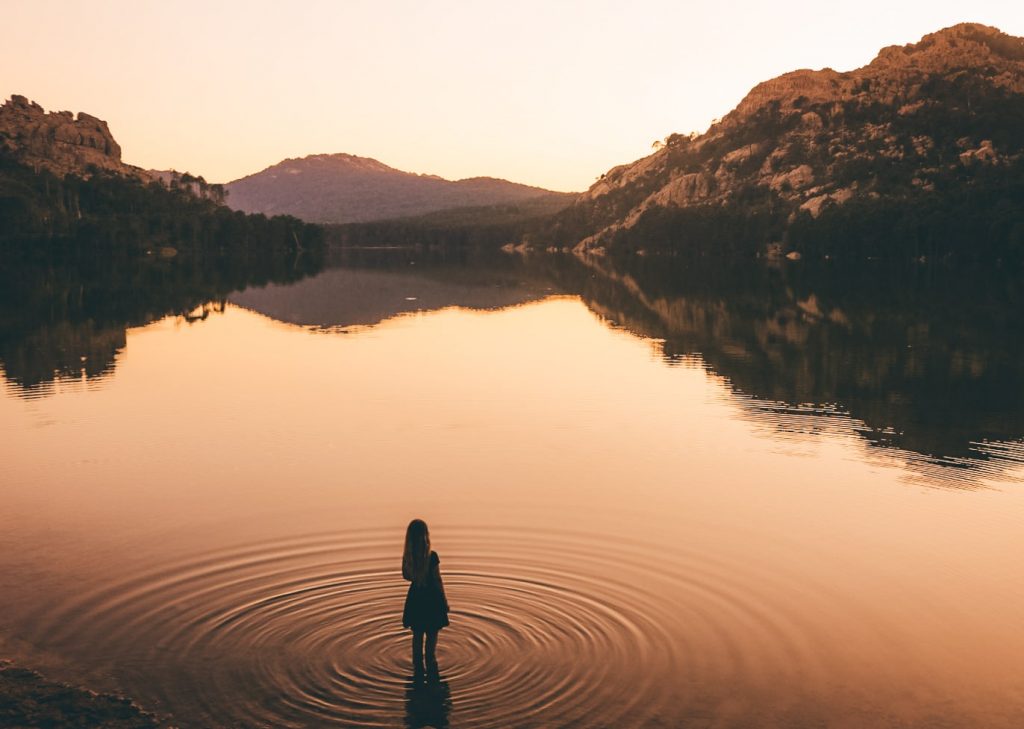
pixel 557 630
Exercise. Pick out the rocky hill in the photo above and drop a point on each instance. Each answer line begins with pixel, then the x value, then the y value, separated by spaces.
pixel 926 136
pixel 343 188
pixel 60 142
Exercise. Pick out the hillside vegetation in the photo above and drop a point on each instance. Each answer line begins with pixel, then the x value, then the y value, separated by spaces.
pixel 919 153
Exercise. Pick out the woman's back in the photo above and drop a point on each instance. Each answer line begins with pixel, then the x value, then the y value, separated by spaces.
pixel 426 606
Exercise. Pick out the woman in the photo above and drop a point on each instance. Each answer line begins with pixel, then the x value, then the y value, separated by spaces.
pixel 426 606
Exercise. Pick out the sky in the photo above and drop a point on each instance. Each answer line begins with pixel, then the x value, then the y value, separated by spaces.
pixel 546 93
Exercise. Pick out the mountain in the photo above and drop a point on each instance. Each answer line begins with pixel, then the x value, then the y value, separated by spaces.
pixel 343 188
pixel 921 151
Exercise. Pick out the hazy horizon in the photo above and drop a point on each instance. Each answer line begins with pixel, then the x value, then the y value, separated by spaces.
pixel 545 96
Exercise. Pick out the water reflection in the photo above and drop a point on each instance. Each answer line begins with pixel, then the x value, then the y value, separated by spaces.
pixel 428 702
pixel 345 299
pixel 926 360
pixel 643 526
pixel 64 312
pixel 929 360
pixel 365 288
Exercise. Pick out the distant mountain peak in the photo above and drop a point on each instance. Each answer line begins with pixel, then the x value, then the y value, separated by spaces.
pixel 343 188
pixel 339 162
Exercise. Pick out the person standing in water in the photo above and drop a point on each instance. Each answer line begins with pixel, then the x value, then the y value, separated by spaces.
pixel 426 606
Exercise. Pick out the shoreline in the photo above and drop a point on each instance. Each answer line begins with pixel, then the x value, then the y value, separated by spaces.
pixel 29 699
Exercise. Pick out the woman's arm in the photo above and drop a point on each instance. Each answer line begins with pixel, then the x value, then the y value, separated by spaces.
pixel 406 570
pixel 436 569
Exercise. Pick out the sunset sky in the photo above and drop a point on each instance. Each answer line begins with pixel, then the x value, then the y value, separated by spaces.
pixel 547 93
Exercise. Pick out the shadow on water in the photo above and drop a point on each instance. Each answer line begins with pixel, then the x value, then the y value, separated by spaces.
pixel 428 702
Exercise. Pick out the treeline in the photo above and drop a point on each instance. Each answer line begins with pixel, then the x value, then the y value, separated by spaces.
pixel 111 209
pixel 974 223
pixel 975 215
pixel 487 226
pixel 981 220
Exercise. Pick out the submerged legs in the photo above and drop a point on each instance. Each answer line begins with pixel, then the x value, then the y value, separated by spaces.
pixel 432 651
pixel 417 651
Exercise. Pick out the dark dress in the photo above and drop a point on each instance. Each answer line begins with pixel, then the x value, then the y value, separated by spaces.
pixel 426 607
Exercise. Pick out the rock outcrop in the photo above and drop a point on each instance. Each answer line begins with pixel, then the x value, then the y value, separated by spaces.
pixel 60 141
pixel 917 116
pixel 196 186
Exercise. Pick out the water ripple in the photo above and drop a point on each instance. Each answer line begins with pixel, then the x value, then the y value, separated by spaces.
pixel 307 631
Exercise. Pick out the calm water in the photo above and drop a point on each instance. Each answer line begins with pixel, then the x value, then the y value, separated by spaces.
pixel 663 495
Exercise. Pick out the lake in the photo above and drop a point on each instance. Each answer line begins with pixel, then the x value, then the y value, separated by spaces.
pixel 664 493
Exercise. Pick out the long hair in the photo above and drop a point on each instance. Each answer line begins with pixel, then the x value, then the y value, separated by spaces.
pixel 416 557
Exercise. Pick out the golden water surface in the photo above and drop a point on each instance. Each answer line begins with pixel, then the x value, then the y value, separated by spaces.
pixel 214 527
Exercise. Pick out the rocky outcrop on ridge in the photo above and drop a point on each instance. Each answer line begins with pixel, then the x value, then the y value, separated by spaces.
pixel 193 184
pixel 923 117
pixel 60 141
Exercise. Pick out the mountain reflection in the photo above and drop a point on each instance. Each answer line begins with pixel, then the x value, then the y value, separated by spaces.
pixel 64 314
pixel 366 287
pixel 928 359
pixel 924 359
